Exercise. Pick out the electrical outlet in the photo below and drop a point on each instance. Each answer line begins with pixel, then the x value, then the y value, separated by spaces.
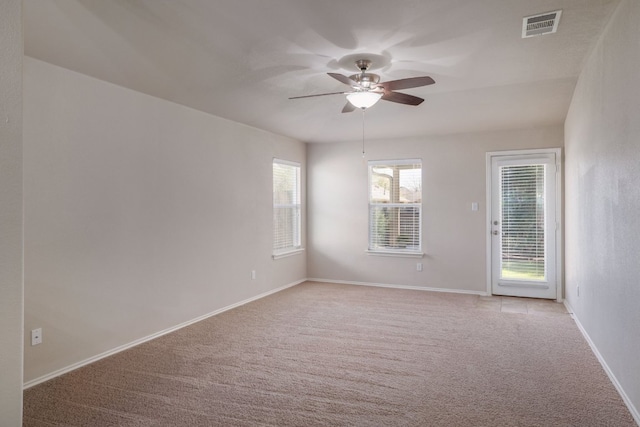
pixel 419 266
pixel 36 336
pixel 253 275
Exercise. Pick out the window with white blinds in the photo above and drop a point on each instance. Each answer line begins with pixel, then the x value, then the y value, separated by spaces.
pixel 395 206
pixel 286 207
pixel 523 228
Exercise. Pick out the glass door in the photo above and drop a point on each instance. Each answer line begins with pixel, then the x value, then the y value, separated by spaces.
pixel 523 225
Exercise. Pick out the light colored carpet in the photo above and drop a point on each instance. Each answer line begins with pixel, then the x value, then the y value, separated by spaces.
pixel 327 354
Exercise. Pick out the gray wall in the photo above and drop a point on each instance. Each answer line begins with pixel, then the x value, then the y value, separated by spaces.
pixel 140 215
pixel 11 305
pixel 603 199
pixel 454 237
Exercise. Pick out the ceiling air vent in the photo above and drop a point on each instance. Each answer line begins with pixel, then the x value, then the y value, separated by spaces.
pixel 538 25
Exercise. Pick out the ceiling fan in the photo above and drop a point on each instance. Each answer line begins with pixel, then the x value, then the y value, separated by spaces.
pixel 366 88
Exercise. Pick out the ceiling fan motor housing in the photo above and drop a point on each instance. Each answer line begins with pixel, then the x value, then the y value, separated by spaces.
pixel 366 80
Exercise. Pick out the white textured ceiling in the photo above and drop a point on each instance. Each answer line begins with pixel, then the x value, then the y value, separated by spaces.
pixel 242 59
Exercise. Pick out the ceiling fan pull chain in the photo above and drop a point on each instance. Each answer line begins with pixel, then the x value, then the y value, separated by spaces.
pixel 363 110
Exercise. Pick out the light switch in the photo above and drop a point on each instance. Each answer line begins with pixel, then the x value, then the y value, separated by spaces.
pixel 474 206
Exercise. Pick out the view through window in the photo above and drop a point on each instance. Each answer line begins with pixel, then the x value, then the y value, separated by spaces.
pixel 395 205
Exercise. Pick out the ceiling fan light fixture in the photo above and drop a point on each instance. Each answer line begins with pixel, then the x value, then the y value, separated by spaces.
pixel 364 99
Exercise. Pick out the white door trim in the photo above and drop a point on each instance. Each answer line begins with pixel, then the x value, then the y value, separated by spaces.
pixel 559 220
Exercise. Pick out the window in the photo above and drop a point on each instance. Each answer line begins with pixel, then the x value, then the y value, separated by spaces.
pixel 523 221
pixel 286 208
pixel 395 206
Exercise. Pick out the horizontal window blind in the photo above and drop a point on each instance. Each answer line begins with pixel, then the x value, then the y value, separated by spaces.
pixel 286 206
pixel 395 205
pixel 523 228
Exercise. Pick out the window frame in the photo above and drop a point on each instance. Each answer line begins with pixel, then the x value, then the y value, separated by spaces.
pixel 296 232
pixel 394 252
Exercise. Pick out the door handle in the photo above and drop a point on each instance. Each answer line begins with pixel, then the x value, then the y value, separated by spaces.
pixel 496 232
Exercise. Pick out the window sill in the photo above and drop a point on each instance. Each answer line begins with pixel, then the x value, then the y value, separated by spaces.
pixel 396 254
pixel 287 254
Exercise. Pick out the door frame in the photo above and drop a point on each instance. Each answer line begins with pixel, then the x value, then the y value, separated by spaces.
pixel 558 212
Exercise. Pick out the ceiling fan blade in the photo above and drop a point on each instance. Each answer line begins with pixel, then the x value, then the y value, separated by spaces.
pixel 344 79
pixel 319 94
pixel 402 98
pixel 407 83
pixel 348 107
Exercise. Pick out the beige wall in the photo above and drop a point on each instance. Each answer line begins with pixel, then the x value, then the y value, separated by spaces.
pixel 453 235
pixel 603 200
pixel 11 306
pixel 140 215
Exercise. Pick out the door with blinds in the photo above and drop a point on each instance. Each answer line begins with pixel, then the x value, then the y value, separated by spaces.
pixel 524 225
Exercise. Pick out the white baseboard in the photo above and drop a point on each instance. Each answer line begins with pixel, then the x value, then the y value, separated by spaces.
pixel 634 411
pixel 414 288
pixel 113 351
